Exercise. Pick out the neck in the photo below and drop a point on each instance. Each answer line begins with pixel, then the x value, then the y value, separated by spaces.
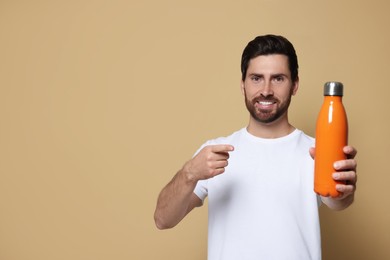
pixel 276 129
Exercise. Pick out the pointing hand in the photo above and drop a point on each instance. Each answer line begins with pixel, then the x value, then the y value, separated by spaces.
pixel 209 162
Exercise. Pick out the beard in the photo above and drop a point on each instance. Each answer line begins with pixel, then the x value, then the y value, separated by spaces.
pixel 267 116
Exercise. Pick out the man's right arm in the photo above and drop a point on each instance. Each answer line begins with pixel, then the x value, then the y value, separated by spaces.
pixel 177 198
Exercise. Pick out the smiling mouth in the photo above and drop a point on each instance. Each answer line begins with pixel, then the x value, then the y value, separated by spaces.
pixel 265 103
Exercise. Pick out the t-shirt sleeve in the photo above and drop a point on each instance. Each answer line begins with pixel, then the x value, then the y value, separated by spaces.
pixel 201 189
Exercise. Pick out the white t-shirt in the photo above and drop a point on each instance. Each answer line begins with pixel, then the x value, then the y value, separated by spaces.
pixel 264 205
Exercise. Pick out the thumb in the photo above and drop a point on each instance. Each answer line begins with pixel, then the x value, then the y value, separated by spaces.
pixel 312 152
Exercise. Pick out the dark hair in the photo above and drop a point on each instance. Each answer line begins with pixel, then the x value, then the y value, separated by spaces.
pixel 270 44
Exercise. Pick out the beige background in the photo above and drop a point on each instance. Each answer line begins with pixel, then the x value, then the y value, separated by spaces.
pixel 101 102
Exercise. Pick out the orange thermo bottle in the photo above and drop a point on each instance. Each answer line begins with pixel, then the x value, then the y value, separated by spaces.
pixel 331 137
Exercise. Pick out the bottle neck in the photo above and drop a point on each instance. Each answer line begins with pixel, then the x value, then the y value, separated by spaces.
pixel 336 98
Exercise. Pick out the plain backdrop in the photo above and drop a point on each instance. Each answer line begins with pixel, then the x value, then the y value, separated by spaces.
pixel 101 102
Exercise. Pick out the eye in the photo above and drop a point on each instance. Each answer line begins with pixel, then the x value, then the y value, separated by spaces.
pixel 278 78
pixel 255 78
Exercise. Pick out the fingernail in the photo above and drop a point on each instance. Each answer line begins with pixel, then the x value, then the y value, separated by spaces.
pixel 336 175
pixel 336 165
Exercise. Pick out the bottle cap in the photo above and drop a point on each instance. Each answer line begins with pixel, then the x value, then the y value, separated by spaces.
pixel 333 88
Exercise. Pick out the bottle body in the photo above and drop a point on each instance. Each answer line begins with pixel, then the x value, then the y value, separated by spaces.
pixel 331 137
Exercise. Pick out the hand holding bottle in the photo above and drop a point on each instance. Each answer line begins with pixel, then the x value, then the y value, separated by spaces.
pixel 344 172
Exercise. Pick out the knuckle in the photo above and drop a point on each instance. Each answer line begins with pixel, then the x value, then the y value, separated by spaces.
pixel 210 173
pixel 210 164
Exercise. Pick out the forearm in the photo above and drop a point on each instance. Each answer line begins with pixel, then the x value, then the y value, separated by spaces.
pixel 174 201
pixel 177 199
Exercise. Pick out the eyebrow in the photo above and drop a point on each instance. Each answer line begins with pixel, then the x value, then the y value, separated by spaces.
pixel 279 75
pixel 272 75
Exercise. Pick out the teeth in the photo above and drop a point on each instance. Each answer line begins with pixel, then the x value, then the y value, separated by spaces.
pixel 265 102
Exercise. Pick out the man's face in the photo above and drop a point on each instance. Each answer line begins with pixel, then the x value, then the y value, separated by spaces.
pixel 268 88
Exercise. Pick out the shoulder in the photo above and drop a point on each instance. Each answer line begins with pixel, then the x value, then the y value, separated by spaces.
pixel 304 138
pixel 230 139
pixel 304 142
pixel 227 139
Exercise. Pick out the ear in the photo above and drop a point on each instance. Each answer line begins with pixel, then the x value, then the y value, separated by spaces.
pixel 295 87
pixel 242 87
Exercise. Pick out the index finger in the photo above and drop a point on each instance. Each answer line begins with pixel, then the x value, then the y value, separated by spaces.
pixel 220 148
pixel 350 151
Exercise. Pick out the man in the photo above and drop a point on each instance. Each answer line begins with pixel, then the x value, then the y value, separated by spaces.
pixel 259 180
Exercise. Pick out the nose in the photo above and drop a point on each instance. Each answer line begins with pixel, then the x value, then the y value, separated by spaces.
pixel 267 89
